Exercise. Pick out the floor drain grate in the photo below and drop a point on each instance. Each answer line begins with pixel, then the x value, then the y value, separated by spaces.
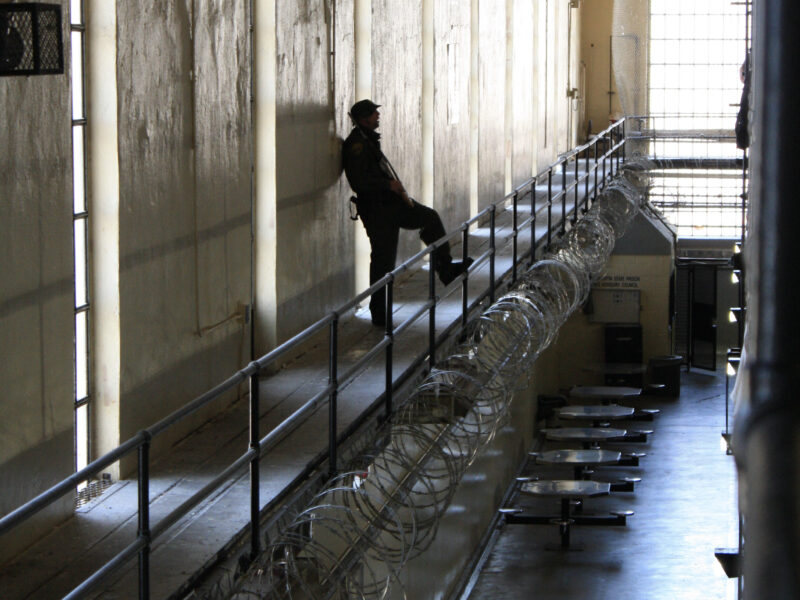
pixel 94 489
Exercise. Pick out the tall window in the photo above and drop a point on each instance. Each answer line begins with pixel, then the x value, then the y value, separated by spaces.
pixel 696 50
pixel 81 231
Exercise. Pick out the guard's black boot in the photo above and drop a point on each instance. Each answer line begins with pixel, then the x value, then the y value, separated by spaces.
pixel 449 271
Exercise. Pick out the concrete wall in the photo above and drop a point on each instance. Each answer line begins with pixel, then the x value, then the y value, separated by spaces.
pixel 397 80
pixel 522 99
pixel 36 293
pixel 596 22
pixel 314 90
pixel 646 269
pixel 183 81
pixel 451 137
pixel 492 152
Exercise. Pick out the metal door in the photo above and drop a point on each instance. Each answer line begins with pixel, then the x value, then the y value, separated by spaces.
pixel 696 315
pixel 704 317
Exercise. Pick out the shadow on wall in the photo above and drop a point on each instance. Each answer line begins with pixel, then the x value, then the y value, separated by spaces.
pixel 308 146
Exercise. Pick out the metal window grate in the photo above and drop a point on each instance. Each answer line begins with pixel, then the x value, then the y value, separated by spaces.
pixel 31 41
pixel 696 49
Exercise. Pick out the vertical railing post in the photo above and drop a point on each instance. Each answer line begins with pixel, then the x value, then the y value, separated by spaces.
pixel 586 180
pixel 605 155
pixel 743 196
pixel 624 139
pixel 563 197
pixel 596 170
pixel 514 233
pixel 255 463
pixel 549 207
pixel 465 281
pixel 432 314
pixel 533 222
pixel 492 251
pixel 144 517
pixel 577 187
pixel 390 346
pixel 333 380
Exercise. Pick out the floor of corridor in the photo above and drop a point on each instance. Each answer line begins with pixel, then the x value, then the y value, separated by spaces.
pixel 685 507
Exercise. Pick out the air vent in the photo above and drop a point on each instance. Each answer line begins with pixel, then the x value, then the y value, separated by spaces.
pixel 704 253
pixel 31 39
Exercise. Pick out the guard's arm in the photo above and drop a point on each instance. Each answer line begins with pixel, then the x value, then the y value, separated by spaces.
pixel 363 171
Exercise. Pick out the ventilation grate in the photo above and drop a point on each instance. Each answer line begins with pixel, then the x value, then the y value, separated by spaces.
pixel 92 490
pixel 31 39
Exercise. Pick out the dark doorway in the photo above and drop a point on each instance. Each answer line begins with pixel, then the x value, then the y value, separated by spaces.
pixel 696 319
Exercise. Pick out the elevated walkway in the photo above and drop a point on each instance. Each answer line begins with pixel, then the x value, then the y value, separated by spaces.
pixel 215 532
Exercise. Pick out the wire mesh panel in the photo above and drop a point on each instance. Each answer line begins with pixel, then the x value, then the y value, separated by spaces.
pixel 695 53
pixel 700 202
pixel 696 49
pixel 31 41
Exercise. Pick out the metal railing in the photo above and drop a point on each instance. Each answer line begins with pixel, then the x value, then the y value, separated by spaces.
pixel 601 157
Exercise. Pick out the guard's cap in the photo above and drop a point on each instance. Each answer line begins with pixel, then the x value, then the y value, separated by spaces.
pixel 363 108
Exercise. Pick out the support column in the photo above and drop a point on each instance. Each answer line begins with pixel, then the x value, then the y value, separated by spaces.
pixel 428 88
pixel 766 443
pixel 103 186
pixel 363 85
pixel 264 176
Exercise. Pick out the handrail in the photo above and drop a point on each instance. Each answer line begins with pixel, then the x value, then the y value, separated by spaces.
pixel 613 139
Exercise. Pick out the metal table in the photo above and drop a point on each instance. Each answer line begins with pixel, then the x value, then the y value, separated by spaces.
pixel 595 413
pixel 591 457
pixel 565 490
pixel 578 458
pixel 617 368
pixel 591 436
pixel 604 393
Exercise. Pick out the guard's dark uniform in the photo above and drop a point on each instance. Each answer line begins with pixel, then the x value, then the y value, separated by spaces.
pixel 383 212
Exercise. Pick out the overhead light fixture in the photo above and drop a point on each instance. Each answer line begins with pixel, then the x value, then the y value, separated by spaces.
pixel 735 315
